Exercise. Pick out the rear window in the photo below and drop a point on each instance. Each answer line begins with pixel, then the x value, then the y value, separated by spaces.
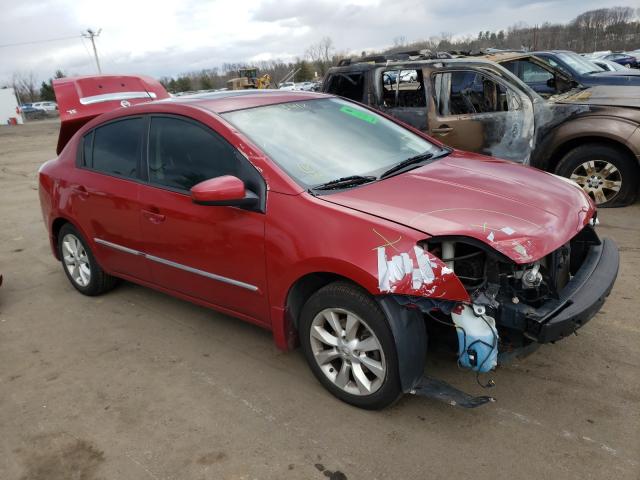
pixel 117 148
pixel 347 85
pixel 403 88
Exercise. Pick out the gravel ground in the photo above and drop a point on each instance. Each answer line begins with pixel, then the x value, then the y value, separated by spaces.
pixel 136 384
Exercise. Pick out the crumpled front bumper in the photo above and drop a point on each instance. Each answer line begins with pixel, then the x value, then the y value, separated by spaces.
pixel 578 302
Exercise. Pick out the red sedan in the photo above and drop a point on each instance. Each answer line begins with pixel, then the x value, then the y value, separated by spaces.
pixel 325 222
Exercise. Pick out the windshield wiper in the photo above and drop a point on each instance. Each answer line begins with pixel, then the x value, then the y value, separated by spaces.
pixel 405 163
pixel 344 182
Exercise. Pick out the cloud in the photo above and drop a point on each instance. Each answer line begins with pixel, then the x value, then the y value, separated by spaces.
pixel 163 37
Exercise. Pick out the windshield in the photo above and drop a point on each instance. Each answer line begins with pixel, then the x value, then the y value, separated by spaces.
pixel 317 141
pixel 580 64
pixel 613 66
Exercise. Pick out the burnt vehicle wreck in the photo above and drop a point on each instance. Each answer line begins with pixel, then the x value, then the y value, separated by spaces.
pixel 590 135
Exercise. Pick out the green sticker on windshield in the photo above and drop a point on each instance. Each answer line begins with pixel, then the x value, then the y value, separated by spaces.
pixel 367 117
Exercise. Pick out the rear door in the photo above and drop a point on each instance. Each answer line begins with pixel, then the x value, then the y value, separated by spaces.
pixel 473 110
pixel 403 95
pixel 105 192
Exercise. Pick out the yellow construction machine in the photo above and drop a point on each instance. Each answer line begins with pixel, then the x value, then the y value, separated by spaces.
pixel 248 78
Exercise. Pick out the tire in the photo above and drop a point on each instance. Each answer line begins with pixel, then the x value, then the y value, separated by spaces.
pixel 80 265
pixel 595 166
pixel 360 366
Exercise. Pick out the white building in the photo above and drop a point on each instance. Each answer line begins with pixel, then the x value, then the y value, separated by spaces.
pixel 8 106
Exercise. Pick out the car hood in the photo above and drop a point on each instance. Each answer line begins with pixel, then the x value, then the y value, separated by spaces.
pixel 521 212
pixel 605 95
pixel 626 72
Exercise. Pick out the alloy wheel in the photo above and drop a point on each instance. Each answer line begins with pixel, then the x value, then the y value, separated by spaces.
pixel 76 260
pixel 600 179
pixel 347 351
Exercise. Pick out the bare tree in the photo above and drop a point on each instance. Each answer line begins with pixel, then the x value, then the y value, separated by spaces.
pixel 320 54
pixel 26 86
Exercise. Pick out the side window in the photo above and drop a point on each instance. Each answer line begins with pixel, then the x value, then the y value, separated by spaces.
pixel 87 149
pixel 403 88
pixel 347 85
pixel 555 64
pixel 117 147
pixel 468 92
pixel 182 154
pixel 529 72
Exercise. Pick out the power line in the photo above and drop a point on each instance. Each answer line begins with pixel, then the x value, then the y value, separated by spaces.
pixel 37 41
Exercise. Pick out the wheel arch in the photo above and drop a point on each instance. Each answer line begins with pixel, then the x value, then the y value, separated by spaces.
pixel 56 225
pixel 564 148
pixel 307 285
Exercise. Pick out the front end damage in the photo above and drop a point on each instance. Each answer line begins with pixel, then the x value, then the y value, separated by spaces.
pixel 513 307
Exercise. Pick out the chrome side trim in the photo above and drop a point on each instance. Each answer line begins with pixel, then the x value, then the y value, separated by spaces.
pixel 212 276
pixel 179 266
pixel 115 246
pixel 107 97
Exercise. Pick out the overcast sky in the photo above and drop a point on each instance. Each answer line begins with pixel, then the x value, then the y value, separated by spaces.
pixel 159 37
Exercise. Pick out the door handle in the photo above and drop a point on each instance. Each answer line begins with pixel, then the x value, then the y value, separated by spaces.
pixel 443 129
pixel 80 190
pixel 153 217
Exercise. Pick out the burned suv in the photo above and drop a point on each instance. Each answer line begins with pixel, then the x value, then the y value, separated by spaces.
pixel 591 136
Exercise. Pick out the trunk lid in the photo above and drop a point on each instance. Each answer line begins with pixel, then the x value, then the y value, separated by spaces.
pixel 81 99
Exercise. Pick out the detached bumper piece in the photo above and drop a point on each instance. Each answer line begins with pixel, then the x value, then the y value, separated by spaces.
pixel 578 301
pixel 440 390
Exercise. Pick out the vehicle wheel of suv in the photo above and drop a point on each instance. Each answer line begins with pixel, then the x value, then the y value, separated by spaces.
pixel 608 175
pixel 80 265
pixel 349 346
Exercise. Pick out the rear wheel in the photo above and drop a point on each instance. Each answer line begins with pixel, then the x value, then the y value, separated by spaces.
pixel 349 346
pixel 80 265
pixel 608 175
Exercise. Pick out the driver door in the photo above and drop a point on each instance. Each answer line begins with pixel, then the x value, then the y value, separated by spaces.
pixel 476 111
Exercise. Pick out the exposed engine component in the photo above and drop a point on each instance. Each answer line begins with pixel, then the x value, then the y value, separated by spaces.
pixel 509 292
pixel 448 252
pixel 532 278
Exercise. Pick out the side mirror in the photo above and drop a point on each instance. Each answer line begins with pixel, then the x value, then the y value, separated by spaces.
pixel 223 191
pixel 551 83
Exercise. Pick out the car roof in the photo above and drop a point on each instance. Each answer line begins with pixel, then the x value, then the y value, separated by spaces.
pixel 395 64
pixel 505 56
pixel 227 101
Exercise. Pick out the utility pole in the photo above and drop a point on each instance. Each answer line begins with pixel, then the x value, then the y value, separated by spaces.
pixel 91 36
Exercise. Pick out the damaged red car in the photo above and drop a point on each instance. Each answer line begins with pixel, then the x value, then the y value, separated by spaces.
pixel 328 223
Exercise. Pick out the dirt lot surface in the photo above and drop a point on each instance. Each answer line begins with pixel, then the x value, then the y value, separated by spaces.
pixel 136 384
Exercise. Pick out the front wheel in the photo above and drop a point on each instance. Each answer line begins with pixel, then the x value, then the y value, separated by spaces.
pixel 608 175
pixel 349 346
